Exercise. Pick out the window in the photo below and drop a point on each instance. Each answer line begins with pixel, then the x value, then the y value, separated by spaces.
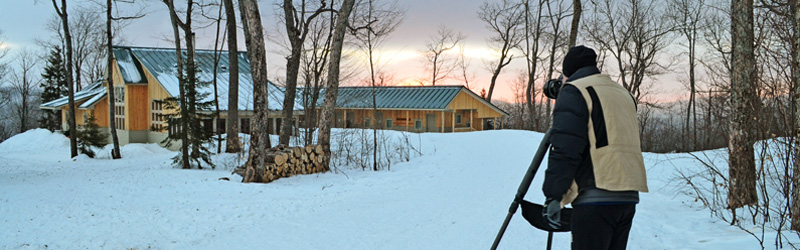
pixel 458 118
pixel 119 107
pixel 367 123
pixel 175 126
pixel 418 124
pixel 245 125
pixel 221 128
pixel 157 115
pixel 389 123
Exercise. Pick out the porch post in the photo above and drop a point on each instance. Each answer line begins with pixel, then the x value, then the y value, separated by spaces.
pixel 443 121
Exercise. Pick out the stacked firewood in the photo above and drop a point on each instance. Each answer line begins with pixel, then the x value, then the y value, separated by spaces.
pixel 283 161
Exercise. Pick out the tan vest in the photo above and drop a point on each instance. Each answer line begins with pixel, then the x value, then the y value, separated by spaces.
pixel 618 166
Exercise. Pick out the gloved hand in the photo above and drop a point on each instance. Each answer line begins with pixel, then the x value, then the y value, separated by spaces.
pixel 552 212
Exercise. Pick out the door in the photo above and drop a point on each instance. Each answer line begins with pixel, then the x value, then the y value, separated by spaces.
pixel 430 123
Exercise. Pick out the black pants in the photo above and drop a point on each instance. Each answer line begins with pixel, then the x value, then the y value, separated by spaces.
pixel 601 226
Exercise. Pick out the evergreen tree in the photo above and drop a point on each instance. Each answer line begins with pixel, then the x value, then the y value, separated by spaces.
pixel 54 86
pixel 199 138
pixel 90 136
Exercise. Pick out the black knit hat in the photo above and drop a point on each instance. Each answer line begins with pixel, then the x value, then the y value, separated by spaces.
pixel 578 57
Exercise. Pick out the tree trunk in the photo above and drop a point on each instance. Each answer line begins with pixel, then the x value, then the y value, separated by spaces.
pixel 332 87
pixel 182 88
pixel 73 129
pixel 232 144
pixel 256 52
pixel 112 124
pixel 292 69
pixel 795 209
pixel 577 9
pixel 742 180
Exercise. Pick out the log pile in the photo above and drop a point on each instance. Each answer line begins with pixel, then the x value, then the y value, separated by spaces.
pixel 283 161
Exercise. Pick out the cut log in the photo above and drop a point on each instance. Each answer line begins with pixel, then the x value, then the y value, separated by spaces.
pixel 318 149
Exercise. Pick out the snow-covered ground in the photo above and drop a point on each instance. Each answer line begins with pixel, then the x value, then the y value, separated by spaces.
pixel 454 195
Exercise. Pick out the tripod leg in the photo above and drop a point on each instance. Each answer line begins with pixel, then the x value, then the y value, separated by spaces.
pixel 549 240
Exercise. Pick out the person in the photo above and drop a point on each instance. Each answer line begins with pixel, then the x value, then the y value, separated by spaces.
pixel 595 160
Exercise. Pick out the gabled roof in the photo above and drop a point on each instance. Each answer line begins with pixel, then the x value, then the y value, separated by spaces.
pixel 416 98
pixel 93 93
pixel 162 62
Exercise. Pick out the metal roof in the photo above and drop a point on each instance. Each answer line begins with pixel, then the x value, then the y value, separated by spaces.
pixel 396 97
pixel 162 62
pixel 93 93
pixel 433 97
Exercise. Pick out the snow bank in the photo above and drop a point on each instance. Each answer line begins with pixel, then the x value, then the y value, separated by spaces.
pixel 35 140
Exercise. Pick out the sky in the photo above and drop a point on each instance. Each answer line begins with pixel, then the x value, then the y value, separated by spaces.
pixel 23 21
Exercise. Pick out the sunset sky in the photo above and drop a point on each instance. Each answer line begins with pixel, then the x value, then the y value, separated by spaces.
pixel 23 21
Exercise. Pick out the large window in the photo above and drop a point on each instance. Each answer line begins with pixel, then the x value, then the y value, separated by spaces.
pixel 157 115
pixel 119 107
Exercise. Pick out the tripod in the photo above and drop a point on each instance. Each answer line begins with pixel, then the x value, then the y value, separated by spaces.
pixel 533 212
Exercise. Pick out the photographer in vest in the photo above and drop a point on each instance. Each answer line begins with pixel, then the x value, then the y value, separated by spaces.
pixel 595 160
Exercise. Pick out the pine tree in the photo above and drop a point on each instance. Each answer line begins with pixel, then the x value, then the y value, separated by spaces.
pixel 54 86
pixel 90 136
pixel 198 137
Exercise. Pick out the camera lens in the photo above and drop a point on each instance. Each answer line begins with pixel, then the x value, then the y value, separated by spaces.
pixel 551 88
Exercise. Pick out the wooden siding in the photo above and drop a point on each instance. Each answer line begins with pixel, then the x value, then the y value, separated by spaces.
pixel 464 101
pixel 405 120
pixel 137 107
pixel 101 113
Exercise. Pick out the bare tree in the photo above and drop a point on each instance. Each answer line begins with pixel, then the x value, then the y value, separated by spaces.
pixel 297 28
pixel 232 144
pixel 687 18
pixel 374 22
pixel 504 20
pixel 577 10
pixel 533 31
pixel 62 13
pixel 332 86
pixel 633 32
pixel 3 53
pixel 314 68
pixel 463 67
pixel 254 40
pixel 742 179
pixel 556 16
pixel 23 85
pixel 440 65
pixel 794 6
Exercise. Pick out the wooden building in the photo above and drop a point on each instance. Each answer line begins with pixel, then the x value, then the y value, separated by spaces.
pixel 142 78
pixel 416 109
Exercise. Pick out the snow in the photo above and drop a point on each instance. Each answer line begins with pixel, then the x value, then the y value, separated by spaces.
pixel 128 68
pixel 454 195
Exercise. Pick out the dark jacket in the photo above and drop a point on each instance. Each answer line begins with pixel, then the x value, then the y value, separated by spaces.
pixel 570 157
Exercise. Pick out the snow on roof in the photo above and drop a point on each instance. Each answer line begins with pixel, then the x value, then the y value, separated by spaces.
pixel 127 68
pixel 162 62
pixel 90 92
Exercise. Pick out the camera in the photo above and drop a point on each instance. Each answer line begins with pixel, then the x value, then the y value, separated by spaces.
pixel 552 87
